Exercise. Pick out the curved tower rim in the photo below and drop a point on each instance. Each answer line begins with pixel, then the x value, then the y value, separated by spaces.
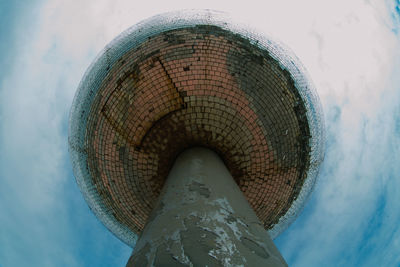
pixel 133 38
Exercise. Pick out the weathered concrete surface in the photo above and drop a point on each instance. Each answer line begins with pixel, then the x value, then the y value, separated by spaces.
pixel 203 219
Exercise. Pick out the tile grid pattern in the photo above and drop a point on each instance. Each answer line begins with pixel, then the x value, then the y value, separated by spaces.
pixel 186 86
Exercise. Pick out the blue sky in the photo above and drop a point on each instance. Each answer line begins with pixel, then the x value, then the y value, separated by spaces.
pixel 351 50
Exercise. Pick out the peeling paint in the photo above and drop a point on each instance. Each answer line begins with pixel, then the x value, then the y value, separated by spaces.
pixel 203 219
pixel 199 188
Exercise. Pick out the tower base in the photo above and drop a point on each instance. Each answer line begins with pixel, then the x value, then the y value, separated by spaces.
pixel 203 219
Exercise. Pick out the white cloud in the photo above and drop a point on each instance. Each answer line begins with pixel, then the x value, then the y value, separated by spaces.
pixel 353 68
pixel 349 50
pixel 39 212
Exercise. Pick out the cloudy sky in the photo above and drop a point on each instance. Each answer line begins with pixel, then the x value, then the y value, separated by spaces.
pixel 351 49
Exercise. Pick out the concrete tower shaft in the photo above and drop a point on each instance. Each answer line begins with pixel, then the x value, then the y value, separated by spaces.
pixel 203 219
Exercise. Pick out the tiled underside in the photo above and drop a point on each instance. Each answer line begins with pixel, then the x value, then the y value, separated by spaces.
pixel 197 86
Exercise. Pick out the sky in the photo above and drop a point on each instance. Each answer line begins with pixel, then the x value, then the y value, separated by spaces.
pixel 351 50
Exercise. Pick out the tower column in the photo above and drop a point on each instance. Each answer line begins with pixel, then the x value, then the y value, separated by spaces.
pixel 203 219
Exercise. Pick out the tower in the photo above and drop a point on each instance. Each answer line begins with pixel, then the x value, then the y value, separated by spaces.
pixel 200 136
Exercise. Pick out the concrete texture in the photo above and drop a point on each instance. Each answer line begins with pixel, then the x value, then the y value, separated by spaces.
pixel 202 219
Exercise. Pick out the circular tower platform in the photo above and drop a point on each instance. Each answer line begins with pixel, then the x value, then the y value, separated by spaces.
pixel 187 79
